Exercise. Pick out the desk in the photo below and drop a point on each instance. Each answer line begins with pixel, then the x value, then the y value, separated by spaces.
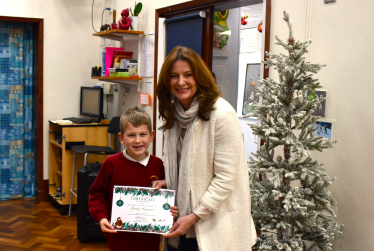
pixel 61 156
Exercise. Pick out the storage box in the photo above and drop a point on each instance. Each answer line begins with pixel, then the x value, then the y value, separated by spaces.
pixel 119 74
pixel 116 72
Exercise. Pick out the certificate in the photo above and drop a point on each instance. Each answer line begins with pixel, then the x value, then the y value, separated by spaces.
pixel 142 209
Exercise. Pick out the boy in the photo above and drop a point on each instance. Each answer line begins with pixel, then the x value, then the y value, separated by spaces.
pixel 132 167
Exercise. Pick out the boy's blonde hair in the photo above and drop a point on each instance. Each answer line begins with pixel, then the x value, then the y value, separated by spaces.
pixel 135 117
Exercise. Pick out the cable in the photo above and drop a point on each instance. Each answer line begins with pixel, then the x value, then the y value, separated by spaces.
pixel 92 16
pixel 107 112
pixel 107 8
pixel 102 15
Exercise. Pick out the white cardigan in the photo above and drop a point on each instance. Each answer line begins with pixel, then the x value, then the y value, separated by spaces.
pixel 219 181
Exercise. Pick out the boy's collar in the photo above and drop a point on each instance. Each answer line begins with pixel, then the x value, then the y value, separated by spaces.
pixel 144 161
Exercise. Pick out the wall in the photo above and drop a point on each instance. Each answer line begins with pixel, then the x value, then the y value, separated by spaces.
pixel 343 35
pixel 70 50
pixel 226 68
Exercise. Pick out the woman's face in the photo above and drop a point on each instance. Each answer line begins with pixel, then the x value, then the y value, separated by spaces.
pixel 182 83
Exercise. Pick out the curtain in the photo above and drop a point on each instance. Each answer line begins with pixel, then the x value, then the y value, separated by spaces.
pixel 16 110
pixel 185 31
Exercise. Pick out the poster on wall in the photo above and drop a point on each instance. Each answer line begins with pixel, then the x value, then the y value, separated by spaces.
pixel 249 40
pixel 221 35
pixel 251 83
pixel 325 129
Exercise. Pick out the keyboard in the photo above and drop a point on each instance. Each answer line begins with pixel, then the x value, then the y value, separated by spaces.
pixel 78 120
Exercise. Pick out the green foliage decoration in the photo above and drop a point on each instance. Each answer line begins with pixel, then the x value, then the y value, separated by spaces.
pixel 137 9
pixel 150 228
pixel 144 191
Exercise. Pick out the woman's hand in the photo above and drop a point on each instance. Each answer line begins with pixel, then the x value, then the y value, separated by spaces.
pixel 174 211
pixel 106 227
pixel 157 184
pixel 181 226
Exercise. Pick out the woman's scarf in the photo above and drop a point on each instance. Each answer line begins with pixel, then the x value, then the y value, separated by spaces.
pixel 179 173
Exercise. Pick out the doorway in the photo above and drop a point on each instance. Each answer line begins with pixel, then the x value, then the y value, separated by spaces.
pixel 210 7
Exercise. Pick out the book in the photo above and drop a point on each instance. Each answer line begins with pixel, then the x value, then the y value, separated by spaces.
pixel 109 57
pixel 118 55
pixel 103 59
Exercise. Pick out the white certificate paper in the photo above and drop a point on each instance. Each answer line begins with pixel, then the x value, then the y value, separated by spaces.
pixel 142 209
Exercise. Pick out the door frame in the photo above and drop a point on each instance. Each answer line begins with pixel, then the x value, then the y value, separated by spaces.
pixel 207 44
pixel 41 186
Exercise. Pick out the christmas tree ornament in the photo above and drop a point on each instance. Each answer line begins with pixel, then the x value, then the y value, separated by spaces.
pixel 166 206
pixel 120 201
pixel 291 204
pixel 259 27
pixel 243 18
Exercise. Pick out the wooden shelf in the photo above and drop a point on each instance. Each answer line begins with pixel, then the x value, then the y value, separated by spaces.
pixel 59 173
pixel 54 142
pixel 118 34
pixel 57 199
pixel 120 80
pixel 117 78
pixel 59 160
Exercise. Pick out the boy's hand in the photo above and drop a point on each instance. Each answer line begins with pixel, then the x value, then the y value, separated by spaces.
pixel 174 211
pixel 106 227
pixel 157 184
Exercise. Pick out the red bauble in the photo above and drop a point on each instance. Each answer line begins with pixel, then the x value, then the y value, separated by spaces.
pixel 259 27
pixel 244 22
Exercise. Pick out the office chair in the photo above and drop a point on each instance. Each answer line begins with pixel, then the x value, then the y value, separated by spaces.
pixel 113 128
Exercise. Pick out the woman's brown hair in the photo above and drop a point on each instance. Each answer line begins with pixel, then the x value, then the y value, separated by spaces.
pixel 207 91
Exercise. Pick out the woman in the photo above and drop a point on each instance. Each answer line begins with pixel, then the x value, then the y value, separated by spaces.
pixel 204 159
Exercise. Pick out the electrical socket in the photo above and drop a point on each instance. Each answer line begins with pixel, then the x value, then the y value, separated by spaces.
pixel 126 88
pixel 108 88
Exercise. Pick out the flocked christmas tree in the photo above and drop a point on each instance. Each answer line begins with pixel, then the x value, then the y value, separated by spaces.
pixel 291 204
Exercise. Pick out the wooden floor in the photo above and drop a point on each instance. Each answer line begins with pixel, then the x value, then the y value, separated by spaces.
pixel 30 225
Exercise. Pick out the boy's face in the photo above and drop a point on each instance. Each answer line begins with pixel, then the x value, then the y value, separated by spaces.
pixel 136 140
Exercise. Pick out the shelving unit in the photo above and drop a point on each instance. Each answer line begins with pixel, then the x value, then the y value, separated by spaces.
pixel 61 156
pixel 132 43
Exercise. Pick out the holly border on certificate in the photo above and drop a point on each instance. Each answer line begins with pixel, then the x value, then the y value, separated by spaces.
pixel 163 198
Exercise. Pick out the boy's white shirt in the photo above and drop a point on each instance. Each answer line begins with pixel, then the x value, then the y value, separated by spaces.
pixel 144 161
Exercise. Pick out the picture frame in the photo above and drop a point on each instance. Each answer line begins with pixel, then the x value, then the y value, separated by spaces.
pixel 326 128
pixel 222 33
pixel 253 73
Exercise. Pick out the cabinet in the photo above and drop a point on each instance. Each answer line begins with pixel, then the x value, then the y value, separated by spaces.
pixel 132 40
pixel 61 156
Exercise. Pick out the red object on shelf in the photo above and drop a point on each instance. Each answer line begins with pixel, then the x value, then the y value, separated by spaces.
pixel 124 22
pixel 259 27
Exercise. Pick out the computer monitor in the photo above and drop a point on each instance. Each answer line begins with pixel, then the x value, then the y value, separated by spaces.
pixel 91 104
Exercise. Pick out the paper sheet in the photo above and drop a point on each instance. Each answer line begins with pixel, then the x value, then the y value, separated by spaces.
pixel 147 55
pixel 142 209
